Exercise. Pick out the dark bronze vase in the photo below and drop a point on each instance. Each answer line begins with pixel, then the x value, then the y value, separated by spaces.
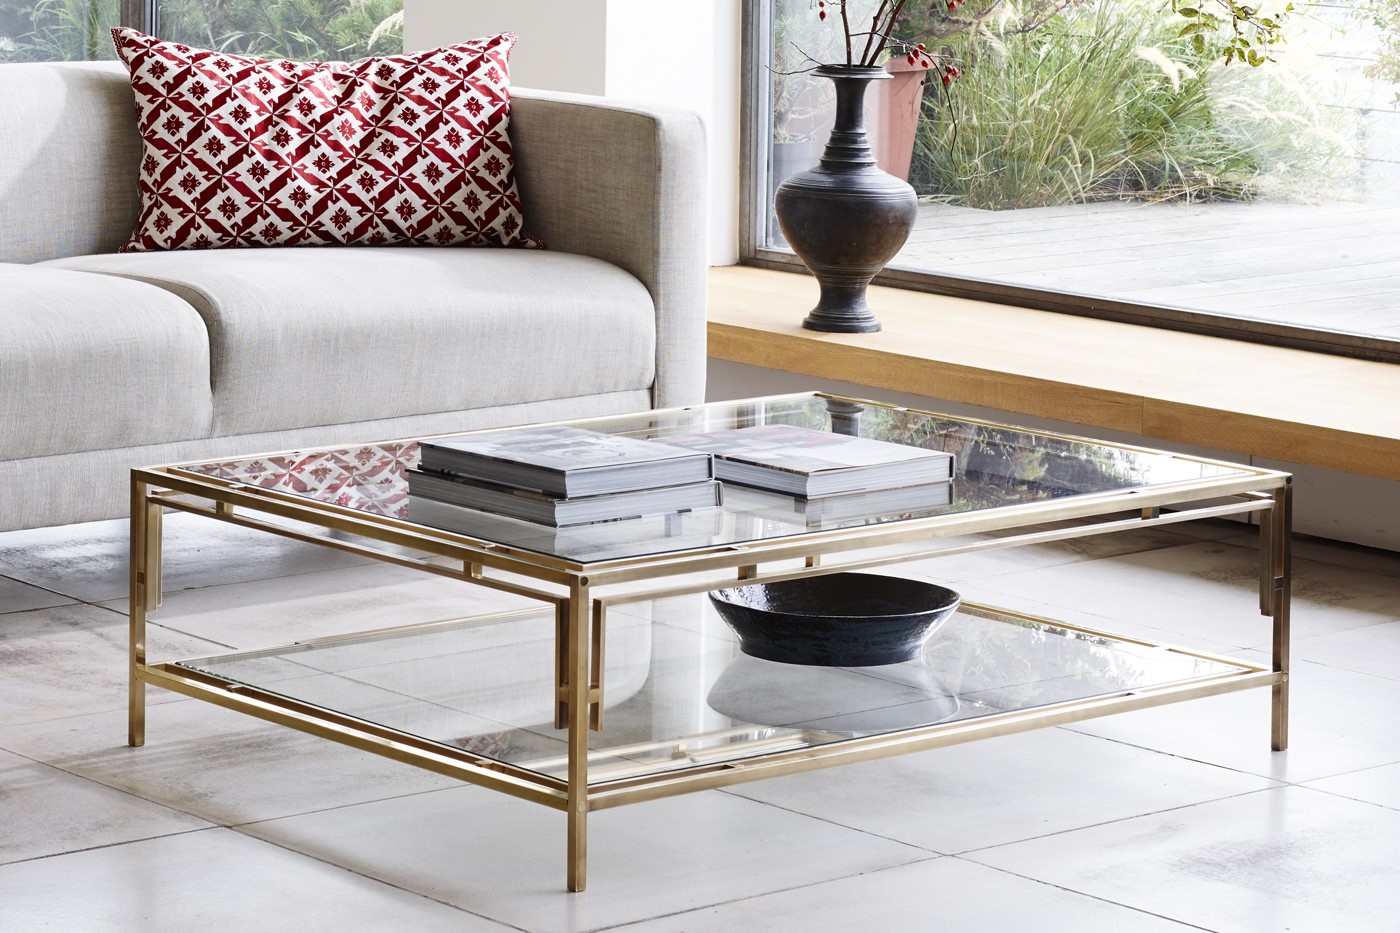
pixel 846 218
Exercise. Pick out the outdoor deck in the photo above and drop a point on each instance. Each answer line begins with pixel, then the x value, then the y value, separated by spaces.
pixel 1332 266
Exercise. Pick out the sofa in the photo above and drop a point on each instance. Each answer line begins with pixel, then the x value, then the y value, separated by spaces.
pixel 112 360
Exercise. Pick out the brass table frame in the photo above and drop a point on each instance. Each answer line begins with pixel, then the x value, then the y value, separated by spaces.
pixel 582 593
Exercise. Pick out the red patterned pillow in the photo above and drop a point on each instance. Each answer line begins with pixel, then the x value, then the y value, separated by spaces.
pixel 250 152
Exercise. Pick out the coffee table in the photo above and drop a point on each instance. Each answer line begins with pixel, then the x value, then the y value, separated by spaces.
pixel 623 687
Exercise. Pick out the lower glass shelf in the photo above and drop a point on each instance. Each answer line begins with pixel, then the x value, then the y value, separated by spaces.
pixel 677 692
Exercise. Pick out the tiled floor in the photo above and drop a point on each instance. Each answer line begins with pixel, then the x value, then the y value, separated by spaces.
pixel 1176 818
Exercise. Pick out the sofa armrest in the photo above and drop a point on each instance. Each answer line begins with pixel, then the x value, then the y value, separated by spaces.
pixel 624 182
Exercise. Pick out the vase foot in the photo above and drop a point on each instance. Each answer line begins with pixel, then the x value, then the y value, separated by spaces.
pixel 842 307
pixel 841 325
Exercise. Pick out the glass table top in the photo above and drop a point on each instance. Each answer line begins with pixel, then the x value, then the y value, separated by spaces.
pixel 996 466
pixel 677 691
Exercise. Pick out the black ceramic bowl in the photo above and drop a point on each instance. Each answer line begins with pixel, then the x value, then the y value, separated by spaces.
pixel 838 620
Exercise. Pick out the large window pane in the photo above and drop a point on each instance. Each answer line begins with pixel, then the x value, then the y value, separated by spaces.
pixel 1088 150
pixel 57 30
pixel 298 29
pixel 78 30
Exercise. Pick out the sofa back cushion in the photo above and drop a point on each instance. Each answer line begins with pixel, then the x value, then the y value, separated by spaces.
pixel 404 149
pixel 69 152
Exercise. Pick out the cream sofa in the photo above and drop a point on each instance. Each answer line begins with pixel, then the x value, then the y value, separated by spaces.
pixel 109 361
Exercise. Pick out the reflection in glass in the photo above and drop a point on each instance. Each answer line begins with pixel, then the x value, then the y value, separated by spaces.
pixel 996 466
pixel 676 690
pixel 853 701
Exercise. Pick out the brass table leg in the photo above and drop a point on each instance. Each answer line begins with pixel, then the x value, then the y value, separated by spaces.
pixel 144 584
pixel 577 630
pixel 1281 559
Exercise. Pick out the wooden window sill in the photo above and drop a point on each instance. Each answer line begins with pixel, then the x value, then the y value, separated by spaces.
pixel 1290 405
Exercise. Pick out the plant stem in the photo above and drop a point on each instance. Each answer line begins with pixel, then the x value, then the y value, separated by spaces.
pixel 846 28
pixel 874 28
pixel 884 33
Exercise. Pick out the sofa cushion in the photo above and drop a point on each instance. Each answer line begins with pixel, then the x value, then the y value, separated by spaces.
pixel 337 334
pixel 89 362
pixel 242 151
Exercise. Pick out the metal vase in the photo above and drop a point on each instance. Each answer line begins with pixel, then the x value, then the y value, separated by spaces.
pixel 846 218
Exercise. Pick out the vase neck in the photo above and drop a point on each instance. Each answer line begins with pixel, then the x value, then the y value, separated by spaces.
pixel 849 145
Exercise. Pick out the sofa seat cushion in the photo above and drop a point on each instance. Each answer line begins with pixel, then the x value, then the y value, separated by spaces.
pixel 336 334
pixel 88 362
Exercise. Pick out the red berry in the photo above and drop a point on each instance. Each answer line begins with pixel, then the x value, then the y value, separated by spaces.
pixel 952 71
pixel 925 63
pixel 821 15
pixel 947 80
pixel 921 46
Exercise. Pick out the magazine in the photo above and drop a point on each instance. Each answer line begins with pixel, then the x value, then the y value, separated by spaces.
pixel 803 462
pixel 676 531
pixel 558 510
pixel 565 461
pixel 854 506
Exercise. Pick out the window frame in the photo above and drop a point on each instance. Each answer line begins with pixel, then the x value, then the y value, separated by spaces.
pixel 755 118
pixel 139 14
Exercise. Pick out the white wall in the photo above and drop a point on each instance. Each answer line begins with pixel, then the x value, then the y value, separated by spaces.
pixel 685 54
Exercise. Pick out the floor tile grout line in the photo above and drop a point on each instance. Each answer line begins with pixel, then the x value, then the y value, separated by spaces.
pixel 1122 819
pixel 239 828
pixel 1275 786
pixel 728 792
pixel 99 599
pixel 1094 897
pixel 368 877
pixel 1338 794
pixel 42 589
pixel 112 845
pixel 752 897
pixel 1197 761
pixel 1375 767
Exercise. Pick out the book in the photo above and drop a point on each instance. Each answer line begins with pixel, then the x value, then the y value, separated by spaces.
pixel 852 506
pixel 560 511
pixel 565 461
pixel 675 531
pixel 803 462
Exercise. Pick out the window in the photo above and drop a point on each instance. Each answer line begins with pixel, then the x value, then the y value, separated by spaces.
pixel 300 29
pixel 78 30
pixel 1090 160
pixel 57 30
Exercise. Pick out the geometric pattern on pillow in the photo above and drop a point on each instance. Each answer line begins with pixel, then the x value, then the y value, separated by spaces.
pixel 404 149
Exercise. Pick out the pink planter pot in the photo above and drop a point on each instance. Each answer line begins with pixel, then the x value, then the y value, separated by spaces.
pixel 894 118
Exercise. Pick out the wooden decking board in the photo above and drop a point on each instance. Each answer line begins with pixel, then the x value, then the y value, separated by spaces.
pixel 1327 265
pixel 1226 279
pixel 1370 278
pixel 1125 214
pixel 1167 253
pixel 1336 291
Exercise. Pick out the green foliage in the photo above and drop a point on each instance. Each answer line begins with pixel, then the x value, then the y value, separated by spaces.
pixel 74 30
pixel 1252 30
pixel 868 28
pixel 56 30
pixel 1384 16
pixel 1108 100
pixel 298 29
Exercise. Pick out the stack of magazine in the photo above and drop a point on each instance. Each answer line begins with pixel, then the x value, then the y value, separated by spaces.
pixel 814 464
pixel 560 476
